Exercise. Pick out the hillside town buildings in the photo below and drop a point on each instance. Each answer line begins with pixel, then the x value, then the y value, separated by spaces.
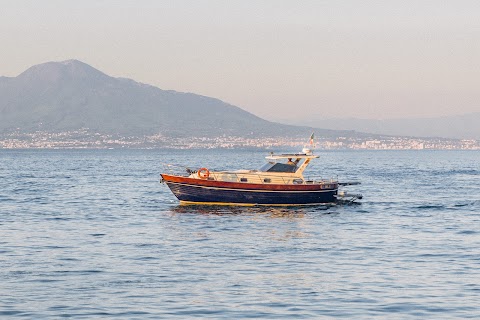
pixel 85 139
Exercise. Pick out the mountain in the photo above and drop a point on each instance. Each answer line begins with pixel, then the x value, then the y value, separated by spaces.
pixel 69 95
pixel 465 126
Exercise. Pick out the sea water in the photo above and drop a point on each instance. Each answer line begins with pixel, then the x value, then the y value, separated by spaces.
pixel 93 234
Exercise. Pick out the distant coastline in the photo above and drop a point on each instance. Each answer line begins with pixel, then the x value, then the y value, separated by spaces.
pixel 71 105
pixel 86 139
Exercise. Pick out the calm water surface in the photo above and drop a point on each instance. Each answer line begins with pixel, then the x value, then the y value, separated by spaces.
pixel 92 234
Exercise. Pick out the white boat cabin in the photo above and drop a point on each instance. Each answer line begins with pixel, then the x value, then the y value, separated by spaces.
pixel 279 169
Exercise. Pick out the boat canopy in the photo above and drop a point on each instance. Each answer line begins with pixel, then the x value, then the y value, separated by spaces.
pixel 290 155
pixel 274 165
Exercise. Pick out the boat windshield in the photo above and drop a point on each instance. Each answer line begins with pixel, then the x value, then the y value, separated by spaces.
pixel 278 167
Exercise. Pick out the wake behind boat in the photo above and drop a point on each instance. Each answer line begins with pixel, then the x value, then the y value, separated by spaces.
pixel 279 182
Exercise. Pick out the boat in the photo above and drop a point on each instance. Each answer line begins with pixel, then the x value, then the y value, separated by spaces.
pixel 279 182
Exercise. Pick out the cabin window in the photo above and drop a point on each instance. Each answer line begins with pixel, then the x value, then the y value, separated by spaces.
pixel 278 167
pixel 267 180
pixel 243 179
pixel 266 166
pixel 281 167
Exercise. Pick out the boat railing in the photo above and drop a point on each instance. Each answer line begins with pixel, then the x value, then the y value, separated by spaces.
pixel 176 170
pixel 237 176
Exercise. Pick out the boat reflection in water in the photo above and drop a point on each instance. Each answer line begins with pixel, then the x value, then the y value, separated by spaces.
pixel 279 182
pixel 269 211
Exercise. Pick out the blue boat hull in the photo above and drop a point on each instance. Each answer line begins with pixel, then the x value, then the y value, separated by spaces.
pixel 189 193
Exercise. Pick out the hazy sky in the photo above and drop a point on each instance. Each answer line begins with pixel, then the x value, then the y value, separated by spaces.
pixel 276 59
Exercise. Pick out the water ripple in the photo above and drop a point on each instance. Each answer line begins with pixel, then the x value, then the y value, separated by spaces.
pixel 92 234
